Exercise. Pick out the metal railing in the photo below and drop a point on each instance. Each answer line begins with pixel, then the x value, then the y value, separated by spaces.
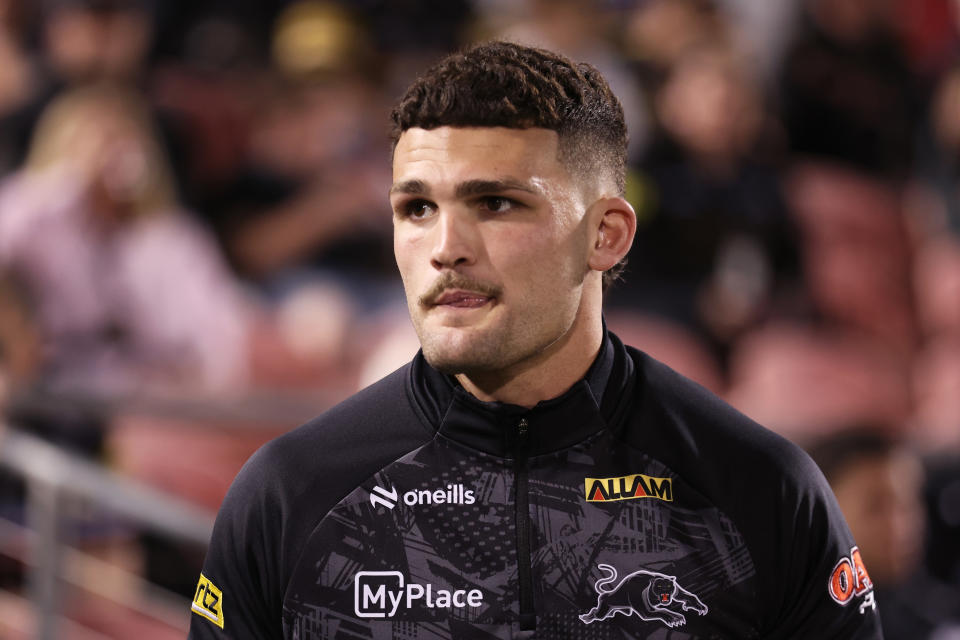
pixel 53 478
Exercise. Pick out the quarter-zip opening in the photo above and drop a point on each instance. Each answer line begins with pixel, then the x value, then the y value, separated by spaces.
pixel 528 619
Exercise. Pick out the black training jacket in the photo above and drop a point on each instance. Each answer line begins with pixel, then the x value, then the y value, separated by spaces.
pixel 635 505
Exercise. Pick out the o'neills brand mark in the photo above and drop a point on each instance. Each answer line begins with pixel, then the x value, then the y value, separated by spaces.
pixel 631 487
pixel 380 594
pixel 451 494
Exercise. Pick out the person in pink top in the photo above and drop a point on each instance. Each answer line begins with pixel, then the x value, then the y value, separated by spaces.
pixel 123 286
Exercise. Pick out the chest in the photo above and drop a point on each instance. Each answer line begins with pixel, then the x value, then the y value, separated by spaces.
pixel 596 541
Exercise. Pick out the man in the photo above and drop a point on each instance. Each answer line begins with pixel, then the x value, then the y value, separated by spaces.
pixel 526 475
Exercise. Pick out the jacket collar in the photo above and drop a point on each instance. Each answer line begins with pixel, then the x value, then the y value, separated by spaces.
pixel 593 403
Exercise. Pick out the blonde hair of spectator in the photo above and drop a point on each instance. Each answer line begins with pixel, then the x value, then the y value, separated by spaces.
pixel 78 126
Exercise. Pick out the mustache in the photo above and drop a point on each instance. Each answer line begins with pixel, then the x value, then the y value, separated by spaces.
pixel 452 280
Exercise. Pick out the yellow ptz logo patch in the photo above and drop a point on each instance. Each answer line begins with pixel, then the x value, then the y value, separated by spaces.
pixel 208 601
pixel 629 487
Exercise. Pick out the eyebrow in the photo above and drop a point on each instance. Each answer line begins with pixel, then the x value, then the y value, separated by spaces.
pixel 412 187
pixel 467 188
pixel 478 187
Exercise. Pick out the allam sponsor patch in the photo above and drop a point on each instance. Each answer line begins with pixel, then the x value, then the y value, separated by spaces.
pixel 629 487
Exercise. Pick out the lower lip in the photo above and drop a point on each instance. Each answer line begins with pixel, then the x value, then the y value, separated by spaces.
pixel 465 303
pixel 463 308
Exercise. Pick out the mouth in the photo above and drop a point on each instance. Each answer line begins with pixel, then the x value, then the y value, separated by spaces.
pixel 461 299
pixel 455 292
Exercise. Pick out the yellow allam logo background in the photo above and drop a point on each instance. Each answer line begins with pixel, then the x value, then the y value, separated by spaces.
pixel 208 601
pixel 629 487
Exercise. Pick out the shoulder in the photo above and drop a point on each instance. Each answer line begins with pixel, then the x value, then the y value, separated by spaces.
pixel 772 491
pixel 343 446
pixel 756 476
pixel 293 481
pixel 696 421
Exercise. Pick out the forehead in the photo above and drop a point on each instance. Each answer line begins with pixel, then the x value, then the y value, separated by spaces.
pixel 458 153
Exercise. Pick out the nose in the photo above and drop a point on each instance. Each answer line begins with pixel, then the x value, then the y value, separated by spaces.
pixel 453 241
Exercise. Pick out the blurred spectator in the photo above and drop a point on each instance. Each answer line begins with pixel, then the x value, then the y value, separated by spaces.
pixel 310 195
pixel 306 207
pixel 879 484
pixel 83 41
pixel 127 294
pixel 124 287
pixel 847 91
pixel 715 248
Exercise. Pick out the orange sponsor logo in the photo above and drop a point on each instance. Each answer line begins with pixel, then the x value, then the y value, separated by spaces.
pixel 850 579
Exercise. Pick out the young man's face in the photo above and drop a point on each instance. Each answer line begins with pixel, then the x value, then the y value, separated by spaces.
pixel 491 242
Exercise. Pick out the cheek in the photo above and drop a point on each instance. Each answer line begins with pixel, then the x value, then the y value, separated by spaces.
pixel 561 252
pixel 548 267
pixel 520 255
pixel 406 249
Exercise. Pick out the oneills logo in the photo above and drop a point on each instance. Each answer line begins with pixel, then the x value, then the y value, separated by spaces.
pixel 451 494
pixel 628 488
pixel 208 601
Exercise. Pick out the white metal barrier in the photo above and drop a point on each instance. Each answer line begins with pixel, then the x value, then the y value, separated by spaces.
pixel 53 478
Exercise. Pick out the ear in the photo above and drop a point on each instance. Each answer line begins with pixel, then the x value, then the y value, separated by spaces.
pixel 615 224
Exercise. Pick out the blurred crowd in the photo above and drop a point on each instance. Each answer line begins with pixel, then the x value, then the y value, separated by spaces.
pixel 193 209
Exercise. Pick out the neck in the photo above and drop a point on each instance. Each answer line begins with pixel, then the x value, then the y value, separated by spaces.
pixel 547 375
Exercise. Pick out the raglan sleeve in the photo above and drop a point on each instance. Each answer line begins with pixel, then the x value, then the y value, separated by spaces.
pixel 823 587
pixel 239 594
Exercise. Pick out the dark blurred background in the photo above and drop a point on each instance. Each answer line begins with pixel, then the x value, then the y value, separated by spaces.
pixel 195 255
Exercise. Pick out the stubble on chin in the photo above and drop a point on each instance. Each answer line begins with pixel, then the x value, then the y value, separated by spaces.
pixel 458 354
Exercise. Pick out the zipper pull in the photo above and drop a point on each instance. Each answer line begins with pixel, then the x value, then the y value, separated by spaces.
pixel 522 432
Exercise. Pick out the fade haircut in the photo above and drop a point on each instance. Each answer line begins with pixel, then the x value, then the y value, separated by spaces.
pixel 503 84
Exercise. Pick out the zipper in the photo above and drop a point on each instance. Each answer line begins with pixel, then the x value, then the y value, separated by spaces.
pixel 528 619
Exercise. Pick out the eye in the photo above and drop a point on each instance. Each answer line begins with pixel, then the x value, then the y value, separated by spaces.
pixel 415 209
pixel 497 204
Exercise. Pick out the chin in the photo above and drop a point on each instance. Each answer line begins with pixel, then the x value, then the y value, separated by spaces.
pixel 465 357
pixel 452 363
pixel 455 350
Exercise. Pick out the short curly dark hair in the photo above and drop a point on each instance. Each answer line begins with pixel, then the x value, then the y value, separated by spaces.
pixel 503 84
